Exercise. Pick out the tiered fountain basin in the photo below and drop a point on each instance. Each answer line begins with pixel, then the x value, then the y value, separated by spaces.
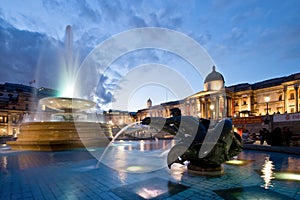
pixel 63 135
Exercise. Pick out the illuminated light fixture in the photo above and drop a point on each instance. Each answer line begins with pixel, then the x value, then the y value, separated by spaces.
pixel 238 162
pixel 267 99
pixel 149 193
pixel 287 176
pixel 212 107
pixel 135 168
pixel 123 144
pixel 91 149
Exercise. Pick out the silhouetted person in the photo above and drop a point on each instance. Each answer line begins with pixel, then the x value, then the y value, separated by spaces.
pixel 246 135
pixel 266 136
pixel 175 112
pixel 287 134
pixel 276 137
pixel 263 135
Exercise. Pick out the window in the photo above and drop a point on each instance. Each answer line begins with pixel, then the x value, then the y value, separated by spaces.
pixel 236 103
pixel 280 98
pixel 3 119
pixel 292 96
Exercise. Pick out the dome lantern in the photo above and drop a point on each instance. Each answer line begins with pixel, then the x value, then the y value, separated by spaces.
pixel 214 80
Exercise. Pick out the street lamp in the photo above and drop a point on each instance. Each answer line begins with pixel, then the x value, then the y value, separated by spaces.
pixel 267 99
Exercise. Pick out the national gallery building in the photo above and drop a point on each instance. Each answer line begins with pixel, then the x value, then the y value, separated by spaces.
pixel 216 101
pixel 275 100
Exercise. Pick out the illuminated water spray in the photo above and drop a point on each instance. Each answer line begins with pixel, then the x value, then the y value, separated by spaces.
pixel 69 66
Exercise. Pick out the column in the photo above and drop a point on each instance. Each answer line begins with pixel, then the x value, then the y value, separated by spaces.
pixel 198 104
pixel 227 107
pixel 206 108
pixel 251 106
pixel 202 108
pixel 285 98
pixel 240 104
pixel 297 97
pixel 217 107
pixel 194 107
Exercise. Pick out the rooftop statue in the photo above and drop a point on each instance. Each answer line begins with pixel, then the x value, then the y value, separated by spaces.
pixel 204 148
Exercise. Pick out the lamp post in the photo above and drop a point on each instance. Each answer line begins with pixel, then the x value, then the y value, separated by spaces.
pixel 267 99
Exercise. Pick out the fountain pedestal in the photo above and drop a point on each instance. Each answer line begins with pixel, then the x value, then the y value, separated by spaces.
pixel 57 136
pixel 62 135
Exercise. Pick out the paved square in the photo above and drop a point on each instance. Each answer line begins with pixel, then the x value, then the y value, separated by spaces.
pixel 78 175
pixel 153 188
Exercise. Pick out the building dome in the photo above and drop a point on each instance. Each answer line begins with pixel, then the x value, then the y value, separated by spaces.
pixel 214 80
pixel 214 76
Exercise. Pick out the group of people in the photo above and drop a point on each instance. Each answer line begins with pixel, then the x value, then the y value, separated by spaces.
pixel 277 137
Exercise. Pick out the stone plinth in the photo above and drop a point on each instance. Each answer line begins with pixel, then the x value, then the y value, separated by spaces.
pixel 55 136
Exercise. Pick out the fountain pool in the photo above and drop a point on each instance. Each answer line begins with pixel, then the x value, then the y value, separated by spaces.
pixel 74 175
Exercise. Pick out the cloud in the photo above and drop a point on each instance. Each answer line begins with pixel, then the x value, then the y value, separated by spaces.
pixel 104 96
pixel 19 51
pixel 87 12
pixel 31 35
pixel 255 13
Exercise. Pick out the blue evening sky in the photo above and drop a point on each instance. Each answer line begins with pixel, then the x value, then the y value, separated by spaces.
pixel 249 41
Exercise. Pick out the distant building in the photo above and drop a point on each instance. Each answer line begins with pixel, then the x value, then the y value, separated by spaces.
pixel 149 103
pixel 118 117
pixel 209 103
pixel 281 95
pixel 17 100
pixel 216 101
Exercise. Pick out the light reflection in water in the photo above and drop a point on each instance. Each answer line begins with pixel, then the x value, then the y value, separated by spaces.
pixel 267 173
pixel 147 193
pixel 3 163
pixel 292 176
pixel 142 145
pixel 138 156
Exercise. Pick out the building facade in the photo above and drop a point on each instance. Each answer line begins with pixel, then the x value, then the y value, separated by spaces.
pixel 216 101
pixel 274 96
pixel 16 101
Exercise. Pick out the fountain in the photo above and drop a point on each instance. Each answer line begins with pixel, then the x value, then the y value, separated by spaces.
pixel 69 108
pixel 68 126
pixel 201 148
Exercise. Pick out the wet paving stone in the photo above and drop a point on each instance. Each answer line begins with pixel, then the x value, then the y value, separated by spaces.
pixel 78 175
